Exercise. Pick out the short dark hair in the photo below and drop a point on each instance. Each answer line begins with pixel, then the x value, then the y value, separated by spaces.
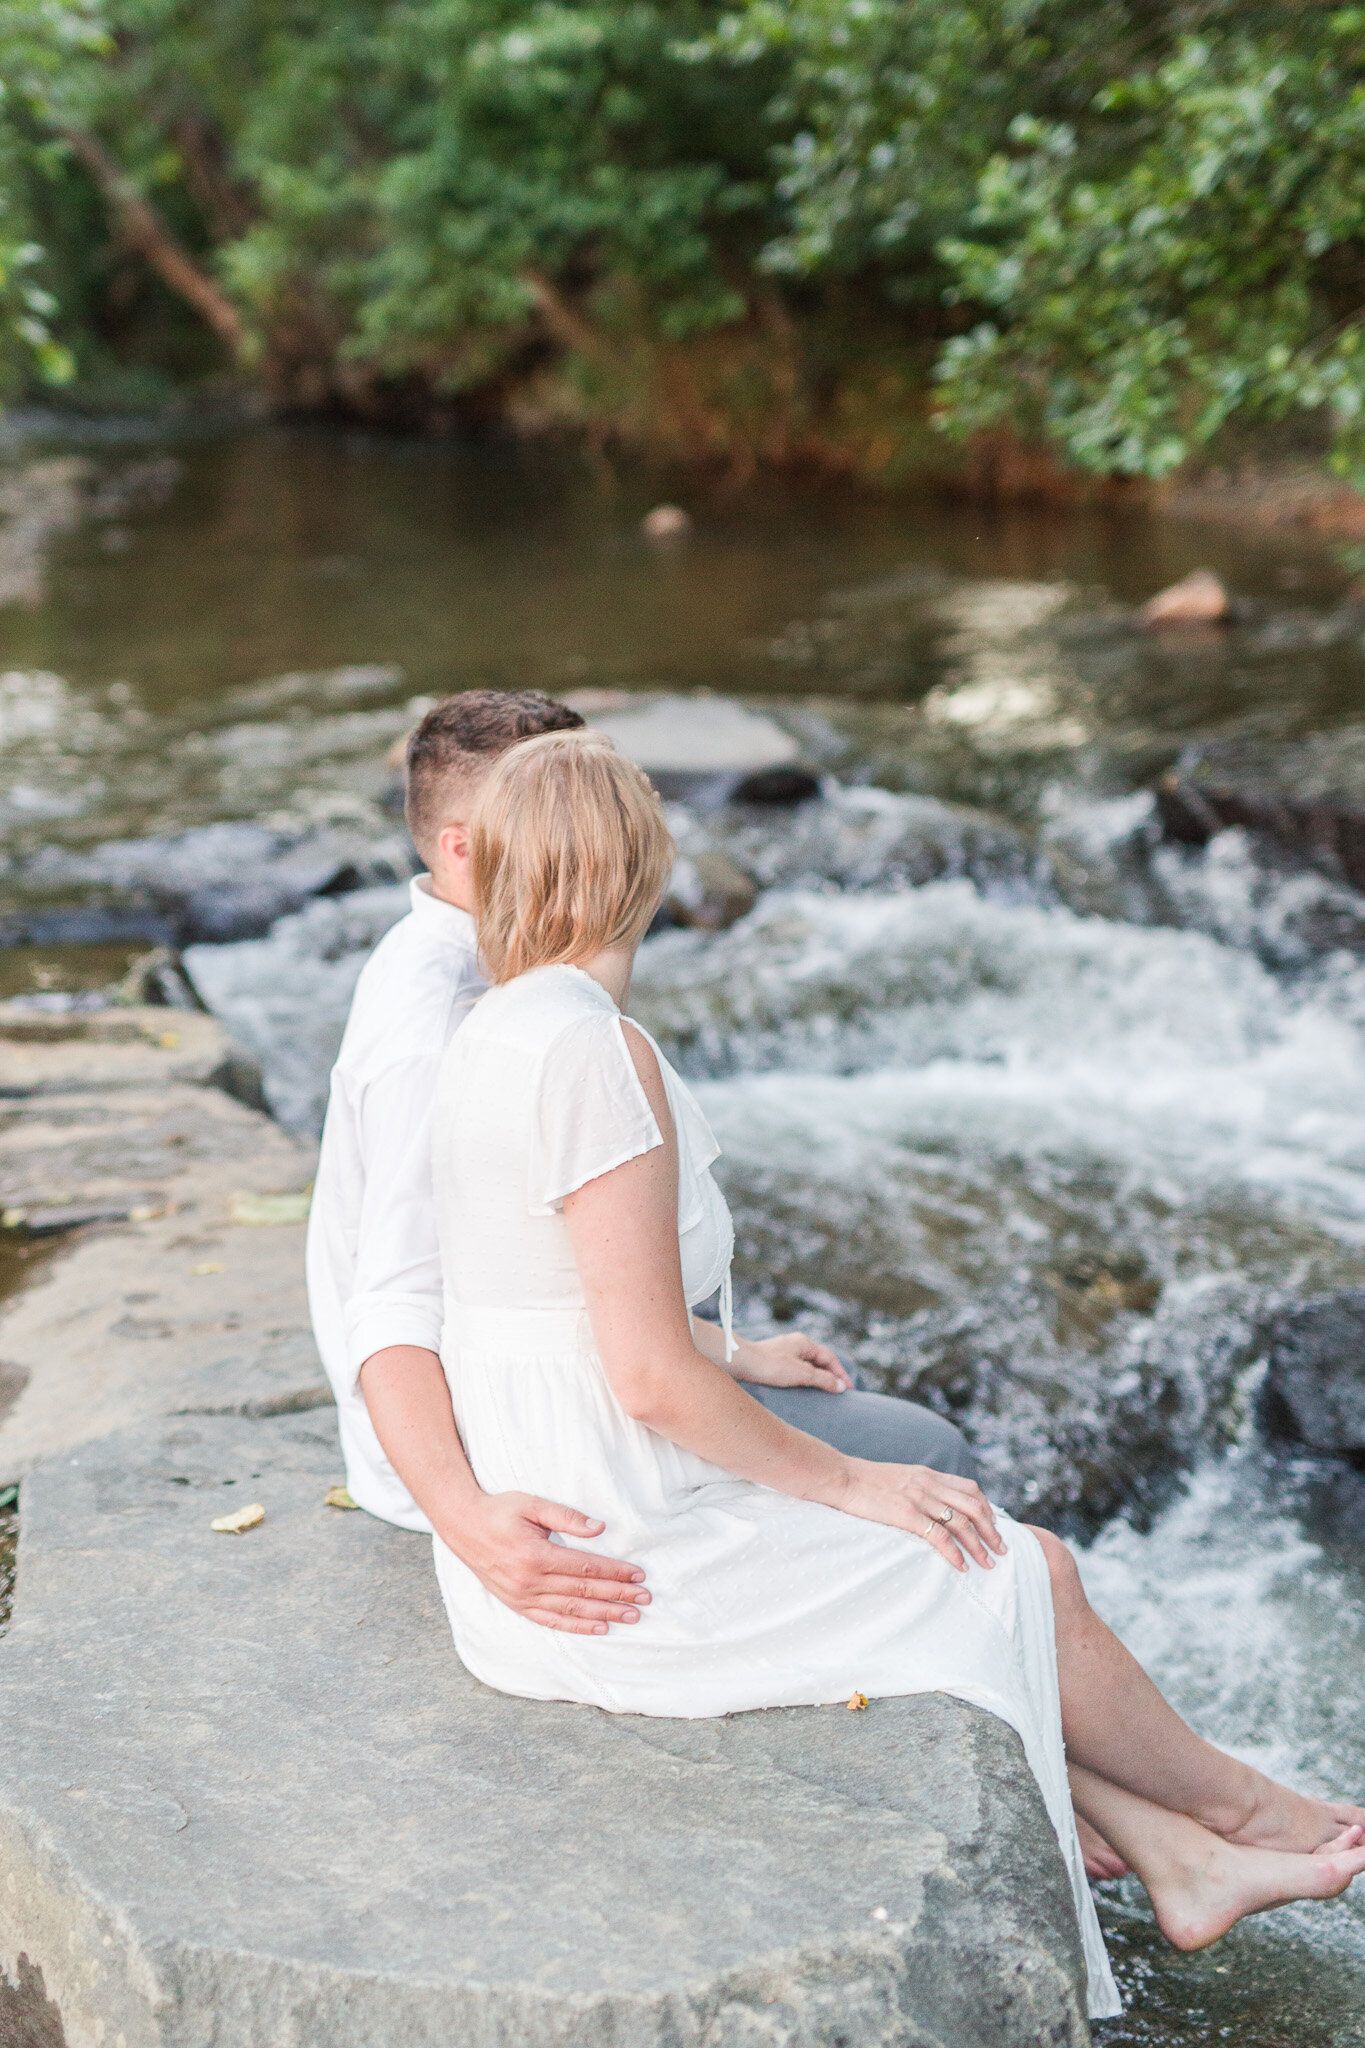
pixel 461 737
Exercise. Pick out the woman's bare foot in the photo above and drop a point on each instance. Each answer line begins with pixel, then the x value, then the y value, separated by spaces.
pixel 1100 1860
pixel 1281 1819
pixel 1212 1884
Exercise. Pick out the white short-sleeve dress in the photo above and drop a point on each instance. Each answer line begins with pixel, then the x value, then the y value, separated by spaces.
pixel 759 1599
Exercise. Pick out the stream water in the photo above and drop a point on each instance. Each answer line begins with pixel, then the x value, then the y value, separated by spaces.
pixel 1036 1115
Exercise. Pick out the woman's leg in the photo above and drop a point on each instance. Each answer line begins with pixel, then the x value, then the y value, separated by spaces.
pixel 1117 1725
pixel 1199 1884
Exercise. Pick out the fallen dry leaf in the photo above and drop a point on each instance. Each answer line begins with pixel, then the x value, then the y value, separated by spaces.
pixel 857 1702
pixel 337 1497
pixel 269 1209
pixel 244 1519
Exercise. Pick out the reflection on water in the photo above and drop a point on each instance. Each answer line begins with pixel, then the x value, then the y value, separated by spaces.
pixel 1038 1117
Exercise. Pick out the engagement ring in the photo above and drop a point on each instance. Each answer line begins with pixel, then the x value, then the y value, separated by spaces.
pixel 946 1517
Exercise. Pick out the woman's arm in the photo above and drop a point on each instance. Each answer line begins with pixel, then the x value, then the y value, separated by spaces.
pixel 624 1230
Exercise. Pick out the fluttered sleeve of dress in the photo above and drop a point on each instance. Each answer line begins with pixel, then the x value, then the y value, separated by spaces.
pixel 591 1113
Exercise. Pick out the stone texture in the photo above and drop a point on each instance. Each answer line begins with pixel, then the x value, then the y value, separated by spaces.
pixel 248 1797
pixel 1315 1385
pixel 177 1305
pixel 709 891
pixel 72 1052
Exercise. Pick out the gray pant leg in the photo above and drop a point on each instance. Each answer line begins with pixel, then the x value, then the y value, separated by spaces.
pixel 875 1426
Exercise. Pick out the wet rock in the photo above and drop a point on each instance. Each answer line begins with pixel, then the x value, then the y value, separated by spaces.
pixel 1315 1383
pixel 867 839
pixel 779 787
pixel 666 523
pixel 1245 891
pixel 1082 1396
pixel 28 2017
pixel 1335 1490
pixel 701 748
pixel 1199 599
pixel 159 979
pixel 1303 801
pixel 707 890
pixel 285 997
pixel 214 883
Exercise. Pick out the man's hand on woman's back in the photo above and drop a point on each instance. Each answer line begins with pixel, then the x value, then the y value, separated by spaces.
pixel 504 1538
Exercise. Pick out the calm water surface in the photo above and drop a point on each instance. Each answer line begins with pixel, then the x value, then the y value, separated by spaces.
pixel 1015 1070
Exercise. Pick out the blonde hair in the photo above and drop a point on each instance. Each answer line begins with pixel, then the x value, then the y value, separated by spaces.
pixel 569 853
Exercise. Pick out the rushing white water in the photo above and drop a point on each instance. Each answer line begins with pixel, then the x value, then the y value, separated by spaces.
pixel 1037 1116
pixel 1254 1626
pixel 285 997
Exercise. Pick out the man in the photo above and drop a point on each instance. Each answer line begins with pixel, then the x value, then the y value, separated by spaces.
pixel 374 1276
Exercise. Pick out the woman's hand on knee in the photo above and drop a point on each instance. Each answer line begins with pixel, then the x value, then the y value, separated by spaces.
pixel 790 1359
pixel 951 1515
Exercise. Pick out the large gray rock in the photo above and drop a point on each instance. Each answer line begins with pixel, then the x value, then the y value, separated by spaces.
pixel 1315 1385
pixel 215 883
pixel 166 1298
pixel 249 1797
pixel 134 1046
pixel 709 749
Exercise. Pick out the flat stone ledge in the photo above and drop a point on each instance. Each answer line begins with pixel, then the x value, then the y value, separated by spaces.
pixel 249 1797
pixel 61 1053
pixel 179 1305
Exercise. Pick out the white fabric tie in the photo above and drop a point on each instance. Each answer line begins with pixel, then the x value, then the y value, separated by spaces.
pixel 727 1314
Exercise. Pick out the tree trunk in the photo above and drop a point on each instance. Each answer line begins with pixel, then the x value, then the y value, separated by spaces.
pixel 146 232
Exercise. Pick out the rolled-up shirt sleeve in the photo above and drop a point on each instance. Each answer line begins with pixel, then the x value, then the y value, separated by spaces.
pixel 397 1296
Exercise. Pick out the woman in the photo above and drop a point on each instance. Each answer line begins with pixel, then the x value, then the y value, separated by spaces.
pixel 579 1221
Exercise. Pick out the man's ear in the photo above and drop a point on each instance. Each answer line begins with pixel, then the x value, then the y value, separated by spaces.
pixel 454 844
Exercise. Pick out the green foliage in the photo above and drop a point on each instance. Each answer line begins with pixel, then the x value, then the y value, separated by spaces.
pixel 1117 224
pixel 40 40
pixel 1189 252
pixel 1146 218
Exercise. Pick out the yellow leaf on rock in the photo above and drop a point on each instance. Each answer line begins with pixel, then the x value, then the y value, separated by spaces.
pixel 337 1497
pixel 269 1209
pixel 244 1519
pixel 857 1702
pixel 169 1040
pixel 208 1267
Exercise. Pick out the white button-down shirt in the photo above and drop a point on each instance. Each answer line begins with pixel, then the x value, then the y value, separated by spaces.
pixel 374 1266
